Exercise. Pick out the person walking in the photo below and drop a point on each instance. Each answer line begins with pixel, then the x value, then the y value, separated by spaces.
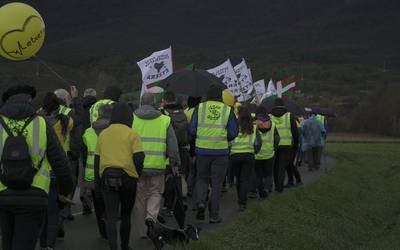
pixel 314 134
pixel 243 149
pixel 62 126
pixel 286 125
pixel 93 190
pixel 213 126
pixel 25 176
pixel 265 158
pixel 159 143
pixel 118 163
pixel 112 94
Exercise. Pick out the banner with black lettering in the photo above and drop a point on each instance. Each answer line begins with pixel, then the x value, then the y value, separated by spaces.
pixel 227 75
pixel 156 67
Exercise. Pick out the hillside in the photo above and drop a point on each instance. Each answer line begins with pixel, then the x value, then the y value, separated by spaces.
pixel 337 49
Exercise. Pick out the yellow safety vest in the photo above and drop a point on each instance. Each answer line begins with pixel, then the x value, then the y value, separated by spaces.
pixel 64 110
pixel 244 143
pixel 36 138
pixel 320 118
pixel 267 148
pixel 94 110
pixel 212 119
pixel 153 134
pixel 284 129
pixel 90 140
pixel 189 113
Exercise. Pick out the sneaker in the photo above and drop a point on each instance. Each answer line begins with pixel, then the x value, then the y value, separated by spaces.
pixel 242 208
pixel 289 185
pixel 201 212
pixel 216 220
pixel 252 195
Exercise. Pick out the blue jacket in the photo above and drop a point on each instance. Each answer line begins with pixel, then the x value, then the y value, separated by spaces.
pixel 231 127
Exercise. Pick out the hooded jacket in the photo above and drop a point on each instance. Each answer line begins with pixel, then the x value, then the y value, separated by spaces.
pixel 19 107
pixel 87 103
pixel 148 112
pixel 279 111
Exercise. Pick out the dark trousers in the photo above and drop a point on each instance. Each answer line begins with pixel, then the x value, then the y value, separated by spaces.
pixel 282 162
pixel 293 171
pixel 210 170
pixel 100 212
pixel 20 226
pixel 314 157
pixel 264 171
pixel 48 236
pixel 242 166
pixel 121 202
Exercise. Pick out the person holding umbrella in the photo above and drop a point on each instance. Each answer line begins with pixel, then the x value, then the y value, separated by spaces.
pixel 213 126
pixel 286 125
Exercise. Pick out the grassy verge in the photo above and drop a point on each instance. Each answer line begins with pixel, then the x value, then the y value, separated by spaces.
pixel 356 206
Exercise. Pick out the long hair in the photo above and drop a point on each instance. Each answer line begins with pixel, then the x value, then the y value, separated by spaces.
pixel 245 121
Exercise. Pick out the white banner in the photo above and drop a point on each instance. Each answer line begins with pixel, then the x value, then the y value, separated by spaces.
pixel 259 87
pixel 245 80
pixel 227 75
pixel 271 89
pixel 156 67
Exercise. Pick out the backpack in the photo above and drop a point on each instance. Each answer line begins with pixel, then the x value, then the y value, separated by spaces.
pixel 16 166
pixel 181 127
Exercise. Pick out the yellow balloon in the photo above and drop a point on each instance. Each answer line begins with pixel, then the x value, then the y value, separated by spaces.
pixel 22 31
pixel 228 98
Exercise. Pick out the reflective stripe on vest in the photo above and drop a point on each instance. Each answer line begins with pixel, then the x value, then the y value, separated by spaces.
pixel 90 140
pixel 244 143
pixel 94 110
pixel 284 129
pixel 212 119
pixel 267 149
pixel 64 110
pixel 36 138
pixel 153 134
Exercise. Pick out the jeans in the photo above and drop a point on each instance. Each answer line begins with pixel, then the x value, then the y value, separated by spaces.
pixel 121 202
pixel 20 226
pixel 282 162
pixel 211 170
pixel 292 170
pixel 314 157
pixel 242 166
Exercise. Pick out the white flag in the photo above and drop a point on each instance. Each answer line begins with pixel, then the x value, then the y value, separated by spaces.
pixel 244 77
pixel 156 67
pixel 227 75
pixel 259 87
pixel 271 90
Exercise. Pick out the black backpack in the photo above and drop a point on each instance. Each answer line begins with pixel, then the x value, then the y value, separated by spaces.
pixel 181 127
pixel 16 166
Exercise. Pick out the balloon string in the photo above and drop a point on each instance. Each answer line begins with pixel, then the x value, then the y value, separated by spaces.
pixel 52 70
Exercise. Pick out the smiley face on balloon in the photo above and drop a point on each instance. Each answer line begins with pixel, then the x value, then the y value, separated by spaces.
pixel 22 31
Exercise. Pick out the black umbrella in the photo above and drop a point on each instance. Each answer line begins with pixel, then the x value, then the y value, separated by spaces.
pixel 291 106
pixel 324 111
pixel 174 198
pixel 191 82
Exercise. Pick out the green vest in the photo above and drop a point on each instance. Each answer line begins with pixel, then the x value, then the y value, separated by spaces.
pixel 153 134
pixel 212 119
pixel 36 138
pixel 267 149
pixel 243 143
pixel 94 110
pixel 284 129
pixel 90 140
pixel 64 110
pixel 321 118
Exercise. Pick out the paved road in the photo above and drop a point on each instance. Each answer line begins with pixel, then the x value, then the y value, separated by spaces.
pixel 81 234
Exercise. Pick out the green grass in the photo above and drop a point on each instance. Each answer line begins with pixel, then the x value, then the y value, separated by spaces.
pixel 355 206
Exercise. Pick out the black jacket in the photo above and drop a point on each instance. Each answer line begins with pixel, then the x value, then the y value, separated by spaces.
pixel 279 112
pixel 17 108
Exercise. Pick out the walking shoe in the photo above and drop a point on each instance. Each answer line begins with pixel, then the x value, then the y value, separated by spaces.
pixel 289 185
pixel 242 208
pixel 224 189
pixel 299 183
pixel 70 217
pixel 61 232
pixel 215 220
pixel 252 195
pixel 201 212
pixel 86 211
pixel 263 194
